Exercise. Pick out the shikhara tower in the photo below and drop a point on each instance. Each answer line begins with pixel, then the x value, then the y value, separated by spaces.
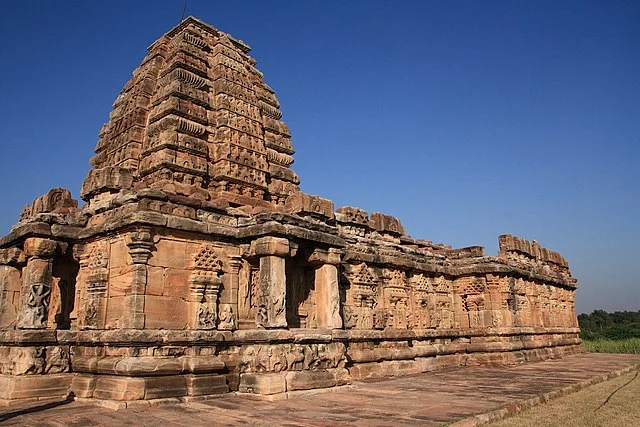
pixel 196 120
pixel 197 266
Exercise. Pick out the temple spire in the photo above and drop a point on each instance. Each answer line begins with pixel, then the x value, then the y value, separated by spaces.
pixel 196 119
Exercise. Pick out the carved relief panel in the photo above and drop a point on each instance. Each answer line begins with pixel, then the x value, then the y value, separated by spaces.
pixel 361 298
pixel 423 300
pixel 205 285
pixel 95 276
pixel 397 306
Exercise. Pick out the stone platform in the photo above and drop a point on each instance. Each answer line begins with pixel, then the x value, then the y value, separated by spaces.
pixel 467 394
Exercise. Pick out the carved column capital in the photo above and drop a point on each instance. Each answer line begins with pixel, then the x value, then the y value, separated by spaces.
pixel 235 262
pixel 325 256
pixel 140 243
pixel 37 247
pixel 272 246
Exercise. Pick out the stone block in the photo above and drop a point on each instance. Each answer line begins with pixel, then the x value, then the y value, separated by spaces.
pixel 262 383
pixel 306 380
pixel 199 385
pixel 362 371
pixel 115 306
pixel 202 364
pixel 165 386
pixel 30 386
pixel 83 385
pixel 118 254
pixel 165 312
pixel 147 366
pixel 351 215
pixel 276 246
pixel 122 280
pixel 169 253
pixel 186 224
pixel 341 376
pixel 427 364
pixel 176 283
pixel 119 388
pixel 386 224
pixel 307 204
pixel 155 280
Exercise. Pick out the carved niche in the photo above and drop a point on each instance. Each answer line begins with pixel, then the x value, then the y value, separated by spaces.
pixel 422 293
pixel 97 264
pixel 206 284
pixel 359 310
pixel 442 313
pixel 397 314
pixel 473 300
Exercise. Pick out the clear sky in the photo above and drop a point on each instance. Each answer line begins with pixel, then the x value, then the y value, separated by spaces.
pixel 465 119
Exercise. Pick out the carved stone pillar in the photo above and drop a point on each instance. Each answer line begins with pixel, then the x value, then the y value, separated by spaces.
pixel 36 283
pixel 326 285
pixel 229 310
pixel 139 243
pixel 271 311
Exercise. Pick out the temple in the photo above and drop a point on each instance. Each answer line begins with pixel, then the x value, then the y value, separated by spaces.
pixel 196 265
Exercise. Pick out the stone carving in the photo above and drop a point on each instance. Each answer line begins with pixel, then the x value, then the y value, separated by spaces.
pixel 27 360
pixel 57 360
pixel 227 318
pixel 206 284
pixel 38 303
pixel 57 200
pixel 140 244
pixel 292 357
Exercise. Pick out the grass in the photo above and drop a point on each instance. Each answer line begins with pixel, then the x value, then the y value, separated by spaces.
pixel 629 346
pixel 609 403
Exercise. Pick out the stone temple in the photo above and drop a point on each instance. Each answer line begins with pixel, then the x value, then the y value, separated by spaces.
pixel 196 266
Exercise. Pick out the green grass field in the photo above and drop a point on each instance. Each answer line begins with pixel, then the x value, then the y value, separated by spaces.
pixel 630 346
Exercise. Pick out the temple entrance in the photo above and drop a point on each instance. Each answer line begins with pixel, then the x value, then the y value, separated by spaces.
pixel 301 293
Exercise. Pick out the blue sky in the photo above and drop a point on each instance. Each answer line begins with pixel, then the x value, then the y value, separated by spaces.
pixel 465 119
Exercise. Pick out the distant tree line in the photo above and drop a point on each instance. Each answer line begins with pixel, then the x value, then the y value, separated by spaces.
pixel 618 325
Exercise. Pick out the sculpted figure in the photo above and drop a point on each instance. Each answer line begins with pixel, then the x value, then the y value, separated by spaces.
pixel 277 360
pixel 261 360
pixel 206 317
pixel 227 318
pixel 247 360
pixel 262 317
pixel 57 360
pixel 28 360
pixel 310 357
pixel 295 357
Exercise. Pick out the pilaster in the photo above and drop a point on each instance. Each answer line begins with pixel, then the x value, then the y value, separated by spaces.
pixel 326 285
pixel 36 283
pixel 140 244
pixel 272 304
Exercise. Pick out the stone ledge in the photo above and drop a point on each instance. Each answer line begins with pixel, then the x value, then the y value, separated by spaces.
pixel 138 337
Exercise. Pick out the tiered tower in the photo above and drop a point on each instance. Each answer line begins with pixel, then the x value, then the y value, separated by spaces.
pixel 196 120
